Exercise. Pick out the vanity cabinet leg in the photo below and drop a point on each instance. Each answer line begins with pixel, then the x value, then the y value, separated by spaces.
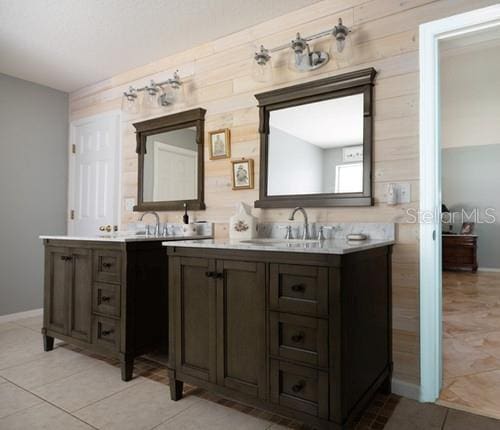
pixel 386 387
pixel 176 386
pixel 48 343
pixel 127 367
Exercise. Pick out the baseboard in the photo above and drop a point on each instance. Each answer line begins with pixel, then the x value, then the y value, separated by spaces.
pixel 405 389
pixel 21 315
pixel 488 269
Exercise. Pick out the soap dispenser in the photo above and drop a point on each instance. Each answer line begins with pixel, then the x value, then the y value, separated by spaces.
pixel 188 229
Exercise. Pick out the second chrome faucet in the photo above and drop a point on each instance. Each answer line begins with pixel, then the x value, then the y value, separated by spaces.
pixel 305 231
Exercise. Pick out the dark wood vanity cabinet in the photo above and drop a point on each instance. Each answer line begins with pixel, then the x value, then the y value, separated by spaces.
pixel 218 314
pixel 110 298
pixel 304 335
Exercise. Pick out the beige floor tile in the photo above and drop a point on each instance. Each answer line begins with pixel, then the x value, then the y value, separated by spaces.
pixel 480 392
pixel 462 357
pixel 34 323
pixel 206 415
pixel 86 387
pixel 18 346
pixel 140 407
pixel 42 417
pixel 51 366
pixel 412 415
pixel 14 399
pixel 7 326
pixel 458 420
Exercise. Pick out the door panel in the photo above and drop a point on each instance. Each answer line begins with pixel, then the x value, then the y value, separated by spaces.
pixel 94 174
pixel 57 269
pixel 241 331
pixel 194 315
pixel 80 294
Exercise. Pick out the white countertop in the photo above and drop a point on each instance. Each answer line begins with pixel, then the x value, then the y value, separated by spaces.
pixel 335 246
pixel 125 238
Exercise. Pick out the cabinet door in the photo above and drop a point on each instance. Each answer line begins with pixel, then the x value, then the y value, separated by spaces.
pixel 57 279
pixel 80 294
pixel 241 329
pixel 193 312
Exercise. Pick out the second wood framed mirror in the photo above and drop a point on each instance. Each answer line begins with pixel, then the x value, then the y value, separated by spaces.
pixel 171 162
pixel 316 143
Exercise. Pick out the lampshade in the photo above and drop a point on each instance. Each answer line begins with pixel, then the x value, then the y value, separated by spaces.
pixel 150 97
pixel 262 69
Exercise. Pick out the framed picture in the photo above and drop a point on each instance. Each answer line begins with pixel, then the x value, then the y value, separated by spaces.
pixel 352 153
pixel 242 174
pixel 220 144
pixel 467 228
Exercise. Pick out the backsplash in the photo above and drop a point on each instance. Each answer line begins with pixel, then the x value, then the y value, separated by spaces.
pixel 337 231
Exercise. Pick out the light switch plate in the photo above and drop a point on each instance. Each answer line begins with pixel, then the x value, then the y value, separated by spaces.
pixel 129 204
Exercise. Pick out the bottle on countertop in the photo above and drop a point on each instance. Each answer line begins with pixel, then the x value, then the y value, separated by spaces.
pixel 185 217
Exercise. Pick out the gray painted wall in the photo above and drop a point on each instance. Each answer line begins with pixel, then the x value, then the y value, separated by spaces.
pixel 471 179
pixel 33 186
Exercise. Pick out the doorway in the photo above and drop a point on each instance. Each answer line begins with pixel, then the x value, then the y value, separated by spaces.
pixel 94 172
pixel 432 36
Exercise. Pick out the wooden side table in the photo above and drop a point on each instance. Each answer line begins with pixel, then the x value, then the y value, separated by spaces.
pixel 460 252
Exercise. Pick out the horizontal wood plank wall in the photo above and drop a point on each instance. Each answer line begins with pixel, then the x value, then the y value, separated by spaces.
pixel 218 78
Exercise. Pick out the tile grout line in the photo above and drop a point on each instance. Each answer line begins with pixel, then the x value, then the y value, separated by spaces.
pixel 177 414
pixel 50 403
pixel 445 418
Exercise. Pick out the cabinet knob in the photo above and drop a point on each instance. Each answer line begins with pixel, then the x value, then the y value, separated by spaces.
pixel 210 274
pixel 66 258
pixel 107 332
pixel 107 265
pixel 298 288
pixel 219 275
pixel 299 386
pixel 105 299
pixel 298 337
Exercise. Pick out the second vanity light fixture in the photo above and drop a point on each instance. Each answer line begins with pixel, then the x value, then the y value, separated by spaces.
pixel 303 59
pixel 155 95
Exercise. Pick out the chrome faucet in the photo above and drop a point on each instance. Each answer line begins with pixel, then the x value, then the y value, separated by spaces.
pixel 157 227
pixel 305 233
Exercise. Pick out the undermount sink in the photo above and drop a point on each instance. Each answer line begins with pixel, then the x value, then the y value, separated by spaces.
pixel 275 242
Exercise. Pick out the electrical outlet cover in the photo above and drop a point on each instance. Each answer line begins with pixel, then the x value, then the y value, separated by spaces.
pixel 404 192
pixel 129 204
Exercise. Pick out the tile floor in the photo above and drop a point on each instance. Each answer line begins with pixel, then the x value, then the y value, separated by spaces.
pixel 471 344
pixel 70 388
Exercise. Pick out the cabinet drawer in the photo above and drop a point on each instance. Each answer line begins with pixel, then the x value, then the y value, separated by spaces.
pixel 106 299
pixel 106 333
pixel 107 266
pixel 299 289
pixel 299 338
pixel 299 388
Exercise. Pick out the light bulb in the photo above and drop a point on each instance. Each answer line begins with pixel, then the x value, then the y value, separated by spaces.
pixel 130 102
pixel 342 50
pixel 262 69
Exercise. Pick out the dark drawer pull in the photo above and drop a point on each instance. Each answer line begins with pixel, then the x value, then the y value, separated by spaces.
pixel 298 337
pixel 298 387
pixel 219 275
pixel 210 274
pixel 298 288
pixel 66 258
pixel 107 265
pixel 107 332
pixel 105 299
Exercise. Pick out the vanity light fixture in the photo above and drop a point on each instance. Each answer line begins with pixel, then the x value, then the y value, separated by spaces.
pixel 154 95
pixel 302 59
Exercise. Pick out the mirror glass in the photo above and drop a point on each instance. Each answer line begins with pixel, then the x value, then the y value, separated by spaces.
pixel 171 166
pixel 316 148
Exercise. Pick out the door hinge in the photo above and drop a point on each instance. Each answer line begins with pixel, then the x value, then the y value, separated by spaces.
pixel 72 214
pixel 73 148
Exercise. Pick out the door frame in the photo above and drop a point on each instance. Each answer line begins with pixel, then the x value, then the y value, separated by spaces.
pixel 430 188
pixel 113 114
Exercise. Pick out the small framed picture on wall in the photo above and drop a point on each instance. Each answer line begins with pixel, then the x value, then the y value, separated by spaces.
pixel 242 174
pixel 220 144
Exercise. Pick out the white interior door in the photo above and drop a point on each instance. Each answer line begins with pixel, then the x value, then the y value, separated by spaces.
pixel 94 174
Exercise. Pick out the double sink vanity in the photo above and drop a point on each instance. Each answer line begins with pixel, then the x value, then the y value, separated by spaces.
pixel 297 322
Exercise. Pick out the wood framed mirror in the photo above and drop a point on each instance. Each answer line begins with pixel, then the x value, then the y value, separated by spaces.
pixel 171 162
pixel 316 143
